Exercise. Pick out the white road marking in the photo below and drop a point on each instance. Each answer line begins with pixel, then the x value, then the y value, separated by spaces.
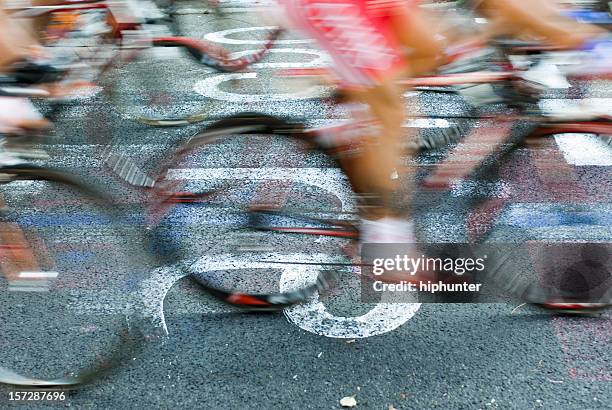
pixel 564 105
pixel 209 87
pixel 320 59
pixel 30 281
pixel 18 287
pixel 584 150
pixel 153 291
pixel 314 317
pixel 38 275
pixel 581 150
pixel 155 288
pixel 427 123
pixel 221 37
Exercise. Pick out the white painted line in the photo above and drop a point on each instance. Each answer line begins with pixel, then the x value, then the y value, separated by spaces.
pixel 585 105
pixel 155 288
pixel 584 150
pixel 314 317
pixel 311 316
pixel 319 58
pixel 414 123
pixel 427 123
pixel 152 293
pixel 209 87
pixel 221 37
pixel 38 275
pixel 12 288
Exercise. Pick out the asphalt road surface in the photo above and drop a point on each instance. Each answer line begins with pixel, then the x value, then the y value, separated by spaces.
pixel 199 353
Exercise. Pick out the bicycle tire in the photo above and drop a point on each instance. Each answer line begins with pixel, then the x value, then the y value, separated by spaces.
pixel 138 85
pixel 464 211
pixel 230 131
pixel 126 341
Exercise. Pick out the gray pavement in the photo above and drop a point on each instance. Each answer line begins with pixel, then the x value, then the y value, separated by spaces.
pixel 202 354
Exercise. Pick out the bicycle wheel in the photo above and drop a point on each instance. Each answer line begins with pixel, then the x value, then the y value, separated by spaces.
pixel 528 209
pixel 68 265
pixel 143 86
pixel 244 199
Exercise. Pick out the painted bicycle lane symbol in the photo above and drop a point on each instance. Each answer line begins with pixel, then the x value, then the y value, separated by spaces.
pixel 213 86
pixel 312 316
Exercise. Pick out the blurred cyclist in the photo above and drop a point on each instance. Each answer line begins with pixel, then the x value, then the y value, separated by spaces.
pixel 22 60
pixel 372 45
pixel 16 41
pixel 535 18
pixel 17 45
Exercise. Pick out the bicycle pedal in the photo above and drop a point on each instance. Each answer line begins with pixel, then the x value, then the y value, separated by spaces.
pixel 128 171
pixel 480 95
pixel 574 308
pixel 441 137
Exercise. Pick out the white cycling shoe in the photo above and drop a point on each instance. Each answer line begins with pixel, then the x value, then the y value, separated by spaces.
pixel 387 230
pixel 397 231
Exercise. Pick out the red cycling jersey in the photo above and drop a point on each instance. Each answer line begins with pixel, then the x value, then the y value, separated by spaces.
pixel 357 34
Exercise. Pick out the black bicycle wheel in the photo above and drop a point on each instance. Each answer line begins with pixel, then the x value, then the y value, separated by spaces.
pixel 143 86
pixel 68 264
pixel 244 199
pixel 525 220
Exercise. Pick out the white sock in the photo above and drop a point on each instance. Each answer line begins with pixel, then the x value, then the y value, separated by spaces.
pixel 387 230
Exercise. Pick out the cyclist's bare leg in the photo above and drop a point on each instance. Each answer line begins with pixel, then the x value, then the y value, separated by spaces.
pixel 375 170
pixel 16 41
pixel 9 51
pixel 421 35
pixel 536 18
pixel 372 168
